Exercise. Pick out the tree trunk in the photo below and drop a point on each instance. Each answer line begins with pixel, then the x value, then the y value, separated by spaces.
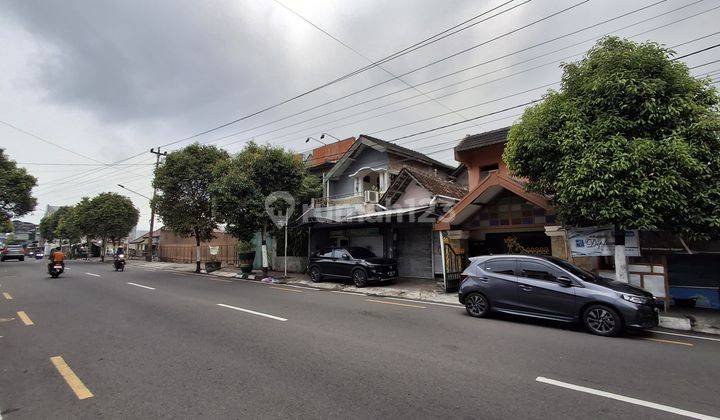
pixel 621 268
pixel 197 252
pixel 263 251
pixel 102 251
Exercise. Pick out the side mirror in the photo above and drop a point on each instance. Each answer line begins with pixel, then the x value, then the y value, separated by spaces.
pixel 564 281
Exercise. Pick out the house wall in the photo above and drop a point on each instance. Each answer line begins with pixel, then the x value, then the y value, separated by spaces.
pixel 414 195
pixel 477 158
pixel 369 157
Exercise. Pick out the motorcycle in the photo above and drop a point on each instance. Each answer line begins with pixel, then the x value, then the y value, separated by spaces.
pixel 119 262
pixel 55 270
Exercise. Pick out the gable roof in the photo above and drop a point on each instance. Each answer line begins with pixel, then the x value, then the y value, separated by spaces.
pixel 476 141
pixel 382 146
pixel 434 184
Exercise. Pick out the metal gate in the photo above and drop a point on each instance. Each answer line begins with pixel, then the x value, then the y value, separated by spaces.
pixel 454 263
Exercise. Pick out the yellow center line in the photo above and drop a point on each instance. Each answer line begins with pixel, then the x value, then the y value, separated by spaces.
pixel 7 295
pixel 24 318
pixel 395 303
pixel 77 386
pixel 682 343
pixel 285 289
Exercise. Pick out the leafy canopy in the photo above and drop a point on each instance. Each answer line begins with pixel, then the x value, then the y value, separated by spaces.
pixel 248 178
pixel 112 214
pixel 183 181
pixel 630 139
pixel 15 189
pixel 49 224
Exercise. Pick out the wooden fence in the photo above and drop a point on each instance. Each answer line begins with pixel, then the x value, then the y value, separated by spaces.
pixel 227 254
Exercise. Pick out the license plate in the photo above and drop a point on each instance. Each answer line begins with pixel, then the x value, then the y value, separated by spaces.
pixel 57 267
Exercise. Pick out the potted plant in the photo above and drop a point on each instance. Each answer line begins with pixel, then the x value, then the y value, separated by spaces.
pixel 246 256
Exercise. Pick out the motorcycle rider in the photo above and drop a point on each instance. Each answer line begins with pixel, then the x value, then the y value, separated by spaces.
pixel 119 258
pixel 57 257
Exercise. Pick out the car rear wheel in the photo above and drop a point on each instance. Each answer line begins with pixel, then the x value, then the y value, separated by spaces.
pixel 359 277
pixel 315 274
pixel 476 305
pixel 602 320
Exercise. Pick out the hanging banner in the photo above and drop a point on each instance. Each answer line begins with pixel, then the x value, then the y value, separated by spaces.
pixel 599 241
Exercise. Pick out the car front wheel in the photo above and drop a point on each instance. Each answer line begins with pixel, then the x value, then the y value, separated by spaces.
pixel 476 305
pixel 602 320
pixel 315 275
pixel 359 277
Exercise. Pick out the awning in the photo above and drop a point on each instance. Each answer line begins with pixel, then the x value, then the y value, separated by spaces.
pixel 387 213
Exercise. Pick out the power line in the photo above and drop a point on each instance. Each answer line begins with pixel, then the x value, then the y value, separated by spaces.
pixel 324 85
pixel 471 67
pixel 697 52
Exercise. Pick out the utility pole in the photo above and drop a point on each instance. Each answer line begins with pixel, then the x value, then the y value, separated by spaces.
pixel 148 257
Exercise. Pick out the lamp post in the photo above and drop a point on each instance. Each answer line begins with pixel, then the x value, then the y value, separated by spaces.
pixel 152 220
pixel 313 138
pixel 322 136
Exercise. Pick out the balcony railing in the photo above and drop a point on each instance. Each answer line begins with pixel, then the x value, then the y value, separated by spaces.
pixel 346 199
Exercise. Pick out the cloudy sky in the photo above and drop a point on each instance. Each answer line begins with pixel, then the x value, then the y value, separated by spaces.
pixel 107 80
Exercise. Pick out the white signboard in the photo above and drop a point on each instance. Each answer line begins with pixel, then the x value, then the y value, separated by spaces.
pixel 599 241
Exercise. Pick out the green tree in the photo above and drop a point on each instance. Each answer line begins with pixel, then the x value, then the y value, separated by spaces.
pixel 183 201
pixel 6 226
pixel 68 227
pixel 113 217
pixel 631 139
pixel 15 189
pixel 48 224
pixel 247 180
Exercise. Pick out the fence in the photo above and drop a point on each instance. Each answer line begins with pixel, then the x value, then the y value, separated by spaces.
pixel 227 254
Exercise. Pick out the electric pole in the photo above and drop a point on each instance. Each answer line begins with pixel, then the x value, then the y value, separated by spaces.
pixel 149 255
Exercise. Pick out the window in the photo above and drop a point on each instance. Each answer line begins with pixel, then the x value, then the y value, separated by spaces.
pixel 325 253
pixel 338 253
pixel 506 267
pixel 361 253
pixel 537 271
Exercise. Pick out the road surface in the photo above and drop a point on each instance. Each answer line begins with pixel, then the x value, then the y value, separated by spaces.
pixel 148 344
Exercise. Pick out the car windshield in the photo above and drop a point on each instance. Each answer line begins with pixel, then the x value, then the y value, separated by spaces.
pixel 359 253
pixel 575 270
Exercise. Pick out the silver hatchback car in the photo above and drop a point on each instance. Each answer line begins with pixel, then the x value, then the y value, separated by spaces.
pixel 551 288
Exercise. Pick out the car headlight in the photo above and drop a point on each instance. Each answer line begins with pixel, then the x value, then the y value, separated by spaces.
pixel 635 299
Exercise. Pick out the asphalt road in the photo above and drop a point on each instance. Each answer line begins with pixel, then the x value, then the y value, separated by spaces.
pixel 149 344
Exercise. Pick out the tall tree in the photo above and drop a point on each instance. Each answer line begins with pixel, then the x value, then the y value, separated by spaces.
pixel 247 180
pixel 113 216
pixel 631 139
pixel 183 201
pixel 48 224
pixel 68 227
pixel 15 189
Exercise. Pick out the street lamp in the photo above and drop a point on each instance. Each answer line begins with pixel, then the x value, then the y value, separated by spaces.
pixel 313 138
pixel 152 219
pixel 322 136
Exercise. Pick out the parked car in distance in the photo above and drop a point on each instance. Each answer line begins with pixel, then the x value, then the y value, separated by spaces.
pixel 356 263
pixel 552 288
pixel 13 252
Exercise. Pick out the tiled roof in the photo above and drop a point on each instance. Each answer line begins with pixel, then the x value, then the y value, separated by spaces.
pixel 483 139
pixel 437 185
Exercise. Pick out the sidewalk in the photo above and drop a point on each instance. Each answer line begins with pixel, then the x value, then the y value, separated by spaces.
pixel 696 320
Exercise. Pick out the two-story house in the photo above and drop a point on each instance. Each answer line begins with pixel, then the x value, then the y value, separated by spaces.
pixel 386 198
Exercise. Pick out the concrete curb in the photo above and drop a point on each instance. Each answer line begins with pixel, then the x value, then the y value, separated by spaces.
pixel 682 324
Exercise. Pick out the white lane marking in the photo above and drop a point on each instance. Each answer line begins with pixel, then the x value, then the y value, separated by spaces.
pixel 426 302
pixel 623 398
pixel 348 293
pixel 94 275
pixel 140 285
pixel 685 335
pixel 252 312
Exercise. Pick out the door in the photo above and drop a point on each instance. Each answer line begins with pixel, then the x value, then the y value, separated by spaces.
pixel 540 293
pixel 414 252
pixel 343 263
pixel 326 261
pixel 498 277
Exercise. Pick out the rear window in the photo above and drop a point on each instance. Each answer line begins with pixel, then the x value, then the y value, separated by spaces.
pixel 500 266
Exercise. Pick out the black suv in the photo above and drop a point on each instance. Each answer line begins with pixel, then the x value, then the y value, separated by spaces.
pixel 551 288
pixel 358 264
